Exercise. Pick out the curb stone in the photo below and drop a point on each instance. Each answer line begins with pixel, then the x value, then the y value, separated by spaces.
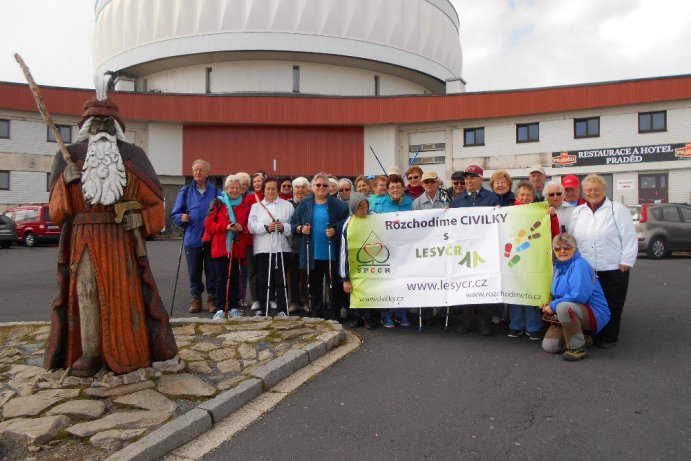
pixel 202 418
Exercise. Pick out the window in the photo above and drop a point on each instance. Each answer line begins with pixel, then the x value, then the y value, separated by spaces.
pixel 528 132
pixel 376 85
pixel 47 182
pixel 586 127
pixel 65 133
pixel 670 213
pixel 296 79
pixel 26 215
pixel 686 214
pixel 650 122
pixel 5 129
pixel 207 88
pixel 4 180
pixel 474 137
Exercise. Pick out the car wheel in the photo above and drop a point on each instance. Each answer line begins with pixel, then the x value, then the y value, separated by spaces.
pixel 657 248
pixel 29 239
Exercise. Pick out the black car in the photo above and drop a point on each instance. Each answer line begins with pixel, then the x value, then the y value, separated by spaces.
pixel 8 232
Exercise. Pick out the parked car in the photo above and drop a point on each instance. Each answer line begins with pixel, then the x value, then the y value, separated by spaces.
pixel 662 228
pixel 34 224
pixel 8 232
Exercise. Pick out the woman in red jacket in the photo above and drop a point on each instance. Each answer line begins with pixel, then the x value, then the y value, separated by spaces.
pixel 226 225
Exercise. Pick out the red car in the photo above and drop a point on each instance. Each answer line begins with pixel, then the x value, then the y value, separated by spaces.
pixel 34 224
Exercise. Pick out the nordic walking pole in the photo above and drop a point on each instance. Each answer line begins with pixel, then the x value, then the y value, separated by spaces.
pixel 330 269
pixel 309 288
pixel 283 270
pixel 268 283
pixel 182 245
pixel 411 162
pixel 446 322
pixel 419 319
pixel 230 269
pixel 379 162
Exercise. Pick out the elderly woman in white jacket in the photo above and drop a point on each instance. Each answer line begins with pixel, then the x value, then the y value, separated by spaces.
pixel 269 224
pixel 607 240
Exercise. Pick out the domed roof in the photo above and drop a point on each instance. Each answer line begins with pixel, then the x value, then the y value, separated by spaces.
pixel 421 35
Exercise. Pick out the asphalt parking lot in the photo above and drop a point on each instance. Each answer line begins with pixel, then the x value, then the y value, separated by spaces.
pixel 440 395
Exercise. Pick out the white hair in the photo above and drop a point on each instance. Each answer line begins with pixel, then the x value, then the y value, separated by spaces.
pixel 84 130
pixel 231 179
pixel 345 181
pixel 301 181
pixel 320 175
pixel 556 184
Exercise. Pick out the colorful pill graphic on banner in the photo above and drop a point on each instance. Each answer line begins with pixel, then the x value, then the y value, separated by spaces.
pixel 535 226
pixel 520 235
pixel 524 246
pixel 536 235
pixel 514 260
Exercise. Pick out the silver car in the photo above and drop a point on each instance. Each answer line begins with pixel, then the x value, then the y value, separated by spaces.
pixel 662 228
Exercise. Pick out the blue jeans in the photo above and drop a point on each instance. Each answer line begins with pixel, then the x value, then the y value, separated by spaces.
pixel 525 317
pixel 401 314
pixel 198 261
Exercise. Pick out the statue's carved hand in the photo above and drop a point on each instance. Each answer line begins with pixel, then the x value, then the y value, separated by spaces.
pixel 132 220
pixel 72 173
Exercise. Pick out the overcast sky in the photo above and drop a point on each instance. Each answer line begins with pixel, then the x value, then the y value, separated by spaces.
pixel 506 43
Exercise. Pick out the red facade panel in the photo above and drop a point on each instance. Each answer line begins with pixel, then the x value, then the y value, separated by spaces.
pixel 334 111
pixel 296 150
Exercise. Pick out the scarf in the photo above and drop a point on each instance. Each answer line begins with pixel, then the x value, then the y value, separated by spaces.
pixel 230 203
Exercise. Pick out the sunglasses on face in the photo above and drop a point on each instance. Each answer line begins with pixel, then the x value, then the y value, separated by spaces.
pixel 413 177
pixel 458 183
pixel 344 190
pixel 286 186
pixel 325 186
pixel 429 181
pixel 552 194
pixel 557 248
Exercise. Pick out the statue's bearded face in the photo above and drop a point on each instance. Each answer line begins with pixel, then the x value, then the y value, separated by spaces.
pixel 103 173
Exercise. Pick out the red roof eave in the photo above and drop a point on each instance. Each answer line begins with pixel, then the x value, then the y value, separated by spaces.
pixel 285 110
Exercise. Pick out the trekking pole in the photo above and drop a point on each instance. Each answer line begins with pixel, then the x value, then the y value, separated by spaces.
pixel 268 283
pixel 446 322
pixel 309 287
pixel 330 269
pixel 241 288
pixel 230 269
pixel 419 319
pixel 182 246
pixel 283 270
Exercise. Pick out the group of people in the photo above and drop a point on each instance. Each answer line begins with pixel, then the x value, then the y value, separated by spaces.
pixel 281 241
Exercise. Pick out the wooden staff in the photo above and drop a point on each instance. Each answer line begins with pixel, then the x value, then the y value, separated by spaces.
pixel 42 109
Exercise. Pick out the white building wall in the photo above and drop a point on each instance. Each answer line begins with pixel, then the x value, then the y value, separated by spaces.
pixel 384 141
pixel 25 187
pixel 277 77
pixel 31 137
pixel 165 148
pixel 680 185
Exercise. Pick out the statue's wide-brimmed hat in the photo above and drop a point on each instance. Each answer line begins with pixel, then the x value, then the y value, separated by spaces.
pixel 95 107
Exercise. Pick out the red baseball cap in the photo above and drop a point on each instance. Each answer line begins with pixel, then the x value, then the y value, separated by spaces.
pixel 473 170
pixel 570 181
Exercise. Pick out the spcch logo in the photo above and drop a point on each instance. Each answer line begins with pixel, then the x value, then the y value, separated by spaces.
pixel 373 252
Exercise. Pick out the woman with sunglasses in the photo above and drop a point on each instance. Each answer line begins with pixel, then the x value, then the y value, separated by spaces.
pixel 414 188
pixel 286 191
pixel 558 207
pixel 577 300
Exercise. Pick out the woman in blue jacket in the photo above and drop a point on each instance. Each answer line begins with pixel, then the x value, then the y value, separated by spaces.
pixel 577 300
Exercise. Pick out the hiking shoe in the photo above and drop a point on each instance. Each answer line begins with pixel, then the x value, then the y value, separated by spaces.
pixel 402 322
pixel 357 323
pixel 573 355
pixel 235 313
pixel 196 305
pixel 387 322
pixel 220 315
pixel 535 336
pixel 259 314
pixel 255 306
pixel 588 341
pixel 281 314
pixel 293 308
pixel 513 333
pixel 211 303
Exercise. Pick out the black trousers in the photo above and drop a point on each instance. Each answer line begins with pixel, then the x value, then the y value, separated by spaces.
pixel 263 266
pixel 615 284
pixel 221 273
pixel 320 273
